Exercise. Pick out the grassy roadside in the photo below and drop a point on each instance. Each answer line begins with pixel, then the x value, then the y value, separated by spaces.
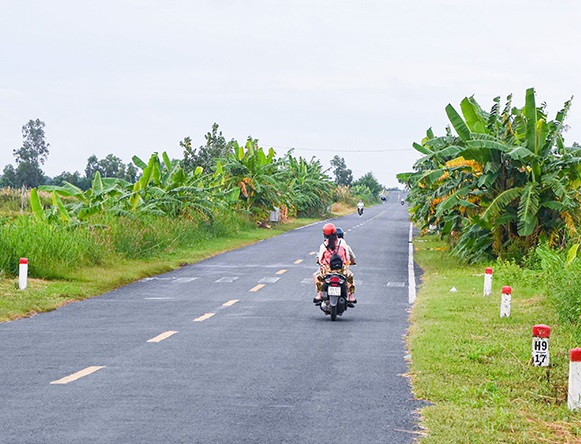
pixel 45 295
pixel 473 367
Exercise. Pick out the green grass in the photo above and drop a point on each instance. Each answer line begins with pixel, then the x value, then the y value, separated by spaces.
pixel 473 367
pixel 90 280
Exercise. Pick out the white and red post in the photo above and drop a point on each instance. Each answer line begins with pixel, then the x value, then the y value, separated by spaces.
pixel 23 273
pixel 540 353
pixel 505 301
pixel 488 281
pixel 574 397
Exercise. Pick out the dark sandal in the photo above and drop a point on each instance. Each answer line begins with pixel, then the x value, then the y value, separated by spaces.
pixel 317 301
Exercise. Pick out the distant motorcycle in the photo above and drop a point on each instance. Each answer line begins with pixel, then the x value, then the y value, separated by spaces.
pixel 334 296
pixel 360 211
pixel 402 201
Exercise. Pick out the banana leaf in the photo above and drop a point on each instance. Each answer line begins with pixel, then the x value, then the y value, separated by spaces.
pixel 458 124
pixel 36 205
pixel 528 209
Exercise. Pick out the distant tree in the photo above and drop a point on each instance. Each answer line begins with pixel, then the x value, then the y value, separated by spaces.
pixel 206 155
pixel 131 173
pixel 92 166
pixel 110 166
pixel 73 178
pixel 8 178
pixel 370 182
pixel 343 175
pixel 31 155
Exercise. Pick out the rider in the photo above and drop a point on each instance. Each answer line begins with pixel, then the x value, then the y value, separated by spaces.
pixel 360 205
pixel 350 254
pixel 330 247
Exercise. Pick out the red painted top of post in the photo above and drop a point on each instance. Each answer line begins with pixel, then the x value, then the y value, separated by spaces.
pixel 23 260
pixel 576 354
pixel 488 270
pixel 541 331
pixel 506 290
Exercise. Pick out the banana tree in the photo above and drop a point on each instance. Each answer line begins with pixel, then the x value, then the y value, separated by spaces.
pixel 256 174
pixel 306 190
pixel 519 187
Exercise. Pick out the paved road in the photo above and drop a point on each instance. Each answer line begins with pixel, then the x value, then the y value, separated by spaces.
pixel 237 352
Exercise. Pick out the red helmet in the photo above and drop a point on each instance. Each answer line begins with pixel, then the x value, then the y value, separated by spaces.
pixel 329 229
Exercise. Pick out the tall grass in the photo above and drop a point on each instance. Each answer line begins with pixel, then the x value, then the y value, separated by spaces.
pixel 143 236
pixel 14 201
pixel 52 250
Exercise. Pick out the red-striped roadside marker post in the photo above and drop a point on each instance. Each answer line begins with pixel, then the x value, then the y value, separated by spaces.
pixel 488 281
pixel 23 273
pixel 574 397
pixel 540 354
pixel 505 301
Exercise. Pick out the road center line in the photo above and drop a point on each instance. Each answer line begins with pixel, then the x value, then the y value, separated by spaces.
pixel 257 287
pixel 281 272
pixel 204 317
pixel 312 253
pixel 78 375
pixel 298 261
pixel 230 303
pixel 162 336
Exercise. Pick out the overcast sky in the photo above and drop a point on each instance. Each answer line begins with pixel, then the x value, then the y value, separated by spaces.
pixel 359 79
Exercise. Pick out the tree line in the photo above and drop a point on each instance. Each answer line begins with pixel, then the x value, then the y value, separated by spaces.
pixel 35 150
pixel 219 173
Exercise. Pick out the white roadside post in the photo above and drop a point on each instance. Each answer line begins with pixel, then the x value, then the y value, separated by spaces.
pixel 540 354
pixel 574 397
pixel 505 301
pixel 23 273
pixel 488 281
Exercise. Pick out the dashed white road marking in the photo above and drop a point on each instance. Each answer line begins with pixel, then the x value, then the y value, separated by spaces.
pixel 186 279
pixel 281 272
pixel 227 279
pixel 78 375
pixel 396 284
pixel 162 336
pixel 204 317
pixel 230 303
pixel 298 261
pixel 268 280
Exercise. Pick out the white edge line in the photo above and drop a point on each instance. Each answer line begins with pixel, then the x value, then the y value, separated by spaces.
pixel 411 274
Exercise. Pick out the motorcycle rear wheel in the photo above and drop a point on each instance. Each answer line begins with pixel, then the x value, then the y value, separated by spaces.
pixel 333 312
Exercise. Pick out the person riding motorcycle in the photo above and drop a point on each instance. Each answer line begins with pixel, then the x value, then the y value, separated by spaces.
pixel 332 247
pixel 341 236
pixel 341 239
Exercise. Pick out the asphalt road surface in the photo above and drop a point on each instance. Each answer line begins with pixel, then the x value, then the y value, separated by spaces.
pixel 229 350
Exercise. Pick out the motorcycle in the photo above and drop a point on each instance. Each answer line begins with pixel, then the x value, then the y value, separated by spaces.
pixel 360 211
pixel 402 201
pixel 334 296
